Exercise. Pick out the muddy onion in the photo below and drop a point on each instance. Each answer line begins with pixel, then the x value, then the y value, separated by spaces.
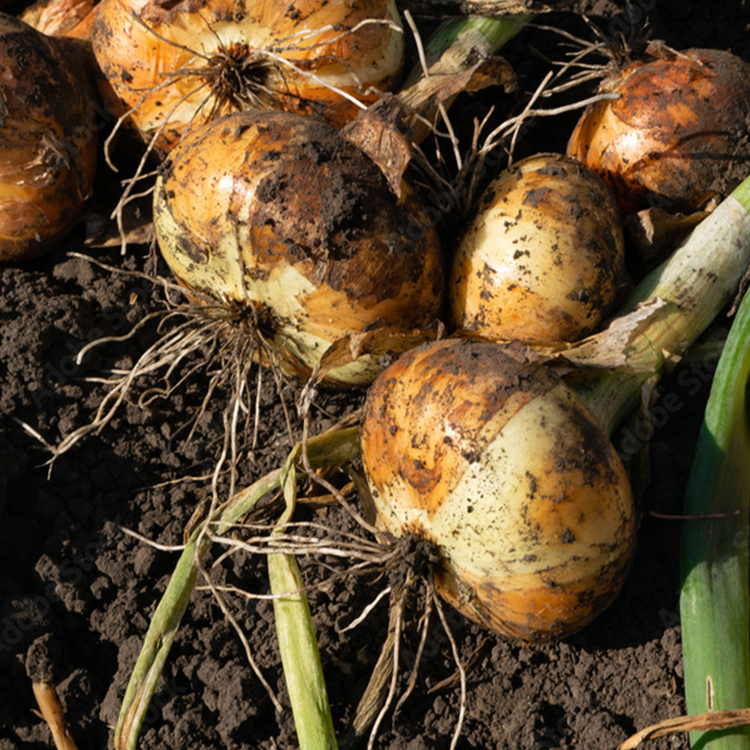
pixel 543 259
pixel 176 64
pixel 672 137
pixel 504 468
pixel 48 144
pixel 279 212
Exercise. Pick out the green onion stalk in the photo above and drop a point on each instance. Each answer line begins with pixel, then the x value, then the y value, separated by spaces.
pixel 714 596
pixel 328 449
pixel 678 300
pixel 497 31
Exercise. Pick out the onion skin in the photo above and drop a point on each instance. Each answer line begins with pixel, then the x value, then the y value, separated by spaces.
pixel 279 211
pixel 501 465
pixel 73 18
pixel 678 128
pixel 543 260
pixel 140 43
pixel 48 148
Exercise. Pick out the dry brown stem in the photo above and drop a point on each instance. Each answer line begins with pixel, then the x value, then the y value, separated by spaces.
pixel 39 670
pixel 706 722
pixel 52 713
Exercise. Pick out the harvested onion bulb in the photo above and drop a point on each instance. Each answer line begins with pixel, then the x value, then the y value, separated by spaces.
pixel 48 149
pixel 279 213
pixel 504 468
pixel 174 66
pixel 672 137
pixel 62 17
pixel 543 259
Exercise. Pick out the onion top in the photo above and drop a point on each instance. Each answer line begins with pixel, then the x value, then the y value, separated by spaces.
pixel 172 66
pixel 502 466
pixel 279 213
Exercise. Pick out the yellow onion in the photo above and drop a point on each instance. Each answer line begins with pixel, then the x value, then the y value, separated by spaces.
pixel 501 465
pixel 74 18
pixel 675 133
pixel 48 143
pixel 278 212
pixel 176 65
pixel 543 259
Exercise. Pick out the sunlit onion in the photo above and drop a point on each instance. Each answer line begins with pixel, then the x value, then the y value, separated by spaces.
pixel 73 18
pixel 503 467
pixel 176 65
pixel 543 259
pixel 279 213
pixel 48 144
pixel 678 134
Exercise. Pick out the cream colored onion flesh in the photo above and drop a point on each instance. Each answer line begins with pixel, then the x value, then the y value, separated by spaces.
pixel 501 465
pixel 543 259
pixel 279 212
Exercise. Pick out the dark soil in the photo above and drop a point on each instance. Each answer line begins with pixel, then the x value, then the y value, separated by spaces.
pixel 73 581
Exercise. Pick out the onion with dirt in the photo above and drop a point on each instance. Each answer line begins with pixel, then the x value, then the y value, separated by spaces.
pixel 48 149
pixel 171 67
pixel 500 464
pixel 74 18
pixel 290 229
pixel 543 259
pixel 677 136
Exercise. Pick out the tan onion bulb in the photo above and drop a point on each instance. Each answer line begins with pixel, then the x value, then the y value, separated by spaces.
pixel 280 213
pixel 48 143
pixel 502 466
pixel 674 135
pixel 543 259
pixel 173 66
pixel 73 18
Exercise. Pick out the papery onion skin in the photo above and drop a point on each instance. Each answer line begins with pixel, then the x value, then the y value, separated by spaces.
pixel 48 139
pixel 139 44
pixel 279 211
pixel 543 260
pixel 680 126
pixel 73 18
pixel 501 465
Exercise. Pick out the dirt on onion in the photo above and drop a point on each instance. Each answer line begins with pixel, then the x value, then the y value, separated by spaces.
pixel 278 218
pixel 679 135
pixel 49 146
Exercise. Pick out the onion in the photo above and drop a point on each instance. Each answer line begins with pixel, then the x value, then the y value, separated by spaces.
pixel 48 150
pixel 543 259
pixel 62 17
pixel 674 134
pixel 502 466
pixel 175 65
pixel 278 213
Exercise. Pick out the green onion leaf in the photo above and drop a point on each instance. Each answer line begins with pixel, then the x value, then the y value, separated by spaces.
pixel 714 598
